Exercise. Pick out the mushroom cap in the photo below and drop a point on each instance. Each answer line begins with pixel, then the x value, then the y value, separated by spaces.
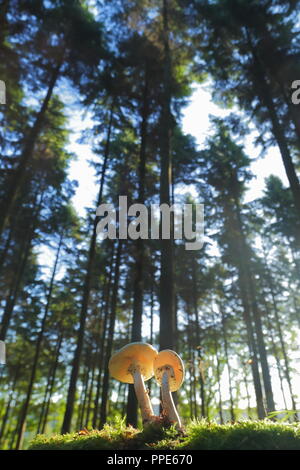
pixel 133 354
pixel 168 358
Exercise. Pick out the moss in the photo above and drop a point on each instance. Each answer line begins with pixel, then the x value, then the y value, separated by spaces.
pixel 247 435
pixel 202 435
pixel 116 436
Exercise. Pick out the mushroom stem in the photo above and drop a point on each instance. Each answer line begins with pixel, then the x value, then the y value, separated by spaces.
pixel 167 399
pixel 142 396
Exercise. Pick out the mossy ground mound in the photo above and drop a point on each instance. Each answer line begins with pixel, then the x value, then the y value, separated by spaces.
pixel 247 435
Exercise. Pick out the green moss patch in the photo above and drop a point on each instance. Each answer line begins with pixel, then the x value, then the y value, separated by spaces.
pixel 201 435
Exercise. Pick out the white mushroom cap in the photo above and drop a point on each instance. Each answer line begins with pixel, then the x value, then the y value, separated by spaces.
pixel 169 359
pixel 133 355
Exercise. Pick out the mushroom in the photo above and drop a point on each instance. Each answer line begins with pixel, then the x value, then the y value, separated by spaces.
pixel 134 364
pixel 169 373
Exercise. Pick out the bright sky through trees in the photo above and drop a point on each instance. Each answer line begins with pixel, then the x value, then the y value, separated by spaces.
pixel 196 122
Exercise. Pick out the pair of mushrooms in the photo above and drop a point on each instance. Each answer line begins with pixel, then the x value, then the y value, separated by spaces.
pixel 138 362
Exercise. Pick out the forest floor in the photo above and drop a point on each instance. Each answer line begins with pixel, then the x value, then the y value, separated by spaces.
pixel 202 435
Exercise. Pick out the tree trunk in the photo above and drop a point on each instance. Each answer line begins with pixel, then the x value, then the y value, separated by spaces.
pixel 238 245
pixel 15 287
pixel 189 342
pixel 45 399
pixel 37 349
pixel 45 412
pixel 80 422
pixel 280 334
pixel 17 179
pixel 284 150
pixel 9 403
pixel 278 132
pixel 218 370
pixel 86 294
pixel 110 338
pixel 275 351
pixel 14 223
pixel 14 291
pixel 247 392
pixel 7 245
pixel 262 348
pixel 102 341
pixel 167 327
pixel 232 415
pixel 251 345
pixel 90 394
pixel 136 333
pixel 198 336
pixel 245 262
pixel 151 311
pixel 3 22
